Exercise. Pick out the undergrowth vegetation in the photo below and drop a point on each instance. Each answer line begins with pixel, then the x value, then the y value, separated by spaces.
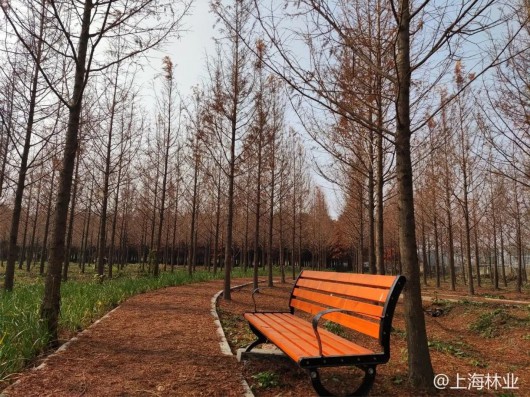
pixel 22 335
pixel 491 324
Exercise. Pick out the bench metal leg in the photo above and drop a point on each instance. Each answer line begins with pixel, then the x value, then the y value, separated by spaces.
pixel 261 338
pixel 362 390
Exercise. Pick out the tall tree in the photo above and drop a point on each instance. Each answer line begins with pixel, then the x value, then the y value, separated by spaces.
pixel 167 142
pixel 232 90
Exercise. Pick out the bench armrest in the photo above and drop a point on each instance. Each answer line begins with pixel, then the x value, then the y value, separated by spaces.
pixel 317 318
pixel 254 291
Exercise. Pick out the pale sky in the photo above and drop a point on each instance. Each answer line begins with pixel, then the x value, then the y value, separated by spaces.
pixel 189 53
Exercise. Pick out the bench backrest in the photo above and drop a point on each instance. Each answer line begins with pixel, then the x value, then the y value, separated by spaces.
pixel 373 298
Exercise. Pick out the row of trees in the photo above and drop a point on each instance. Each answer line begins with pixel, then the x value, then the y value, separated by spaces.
pixel 92 174
pixel 137 188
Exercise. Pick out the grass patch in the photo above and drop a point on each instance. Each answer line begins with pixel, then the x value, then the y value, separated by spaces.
pixel 335 328
pixel 83 300
pixel 267 379
pixel 399 332
pixel 455 349
pixel 489 325
pixel 22 335
pixel 494 296
pixel 398 379
pixel 445 304
pixel 478 363
pixel 467 302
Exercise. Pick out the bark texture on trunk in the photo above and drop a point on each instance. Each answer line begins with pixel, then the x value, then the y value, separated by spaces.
pixel 51 302
pixel 421 373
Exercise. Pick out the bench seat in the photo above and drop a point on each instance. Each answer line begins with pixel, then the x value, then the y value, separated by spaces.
pixel 296 338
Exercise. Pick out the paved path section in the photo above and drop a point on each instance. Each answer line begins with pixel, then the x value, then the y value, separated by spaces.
pixel 162 343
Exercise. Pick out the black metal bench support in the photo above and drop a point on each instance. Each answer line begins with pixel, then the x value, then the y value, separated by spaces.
pixel 261 339
pixel 362 390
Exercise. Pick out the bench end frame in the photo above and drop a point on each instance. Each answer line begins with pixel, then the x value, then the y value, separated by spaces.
pixel 388 314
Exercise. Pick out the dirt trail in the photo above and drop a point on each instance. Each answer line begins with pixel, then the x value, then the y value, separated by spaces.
pixel 163 343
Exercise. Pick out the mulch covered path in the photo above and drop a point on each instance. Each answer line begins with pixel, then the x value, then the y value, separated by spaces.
pixel 162 343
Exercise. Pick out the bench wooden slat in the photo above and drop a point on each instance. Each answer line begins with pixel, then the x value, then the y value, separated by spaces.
pixel 366 293
pixel 288 346
pixel 295 337
pixel 339 302
pixel 332 344
pixel 358 324
pixel 290 326
pixel 359 279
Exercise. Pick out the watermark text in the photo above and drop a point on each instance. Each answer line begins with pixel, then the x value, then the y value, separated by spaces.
pixel 476 381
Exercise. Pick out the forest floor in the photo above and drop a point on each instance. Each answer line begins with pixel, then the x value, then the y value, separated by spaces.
pixel 165 343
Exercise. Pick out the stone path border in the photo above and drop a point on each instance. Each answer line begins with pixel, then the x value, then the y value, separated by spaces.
pixel 223 343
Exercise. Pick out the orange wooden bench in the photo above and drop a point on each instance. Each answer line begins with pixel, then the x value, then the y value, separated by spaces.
pixel 364 303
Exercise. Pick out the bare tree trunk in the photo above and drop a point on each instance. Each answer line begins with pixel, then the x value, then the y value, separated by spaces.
pixel 245 253
pixel 360 258
pixel 143 244
pixel 475 238
pixel 151 250
pixel 47 224
pixel 217 224
pixel 115 209
pixel 230 216
pixel 471 289
pixel 371 221
pixel 518 239
pixel 424 251
pixel 300 264
pixel 436 251
pixel 293 241
pixel 503 265
pixel 379 231
pixel 495 251
pixel 71 221
pixel 7 124
pixel 271 210
pixel 84 253
pixel 193 232
pixel 421 373
pixel 51 301
pixel 106 180
pixel 124 245
pixel 175 219
pixel 21 182
pixel 34 227
pixel 280 219
pixel 22 253
pixel 258 209
pixel 82 248
pixel 450 240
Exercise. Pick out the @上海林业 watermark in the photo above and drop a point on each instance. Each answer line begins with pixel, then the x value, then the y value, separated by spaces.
pixel 477 381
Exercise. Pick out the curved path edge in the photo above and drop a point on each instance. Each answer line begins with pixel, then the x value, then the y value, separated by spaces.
pixel 223 343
